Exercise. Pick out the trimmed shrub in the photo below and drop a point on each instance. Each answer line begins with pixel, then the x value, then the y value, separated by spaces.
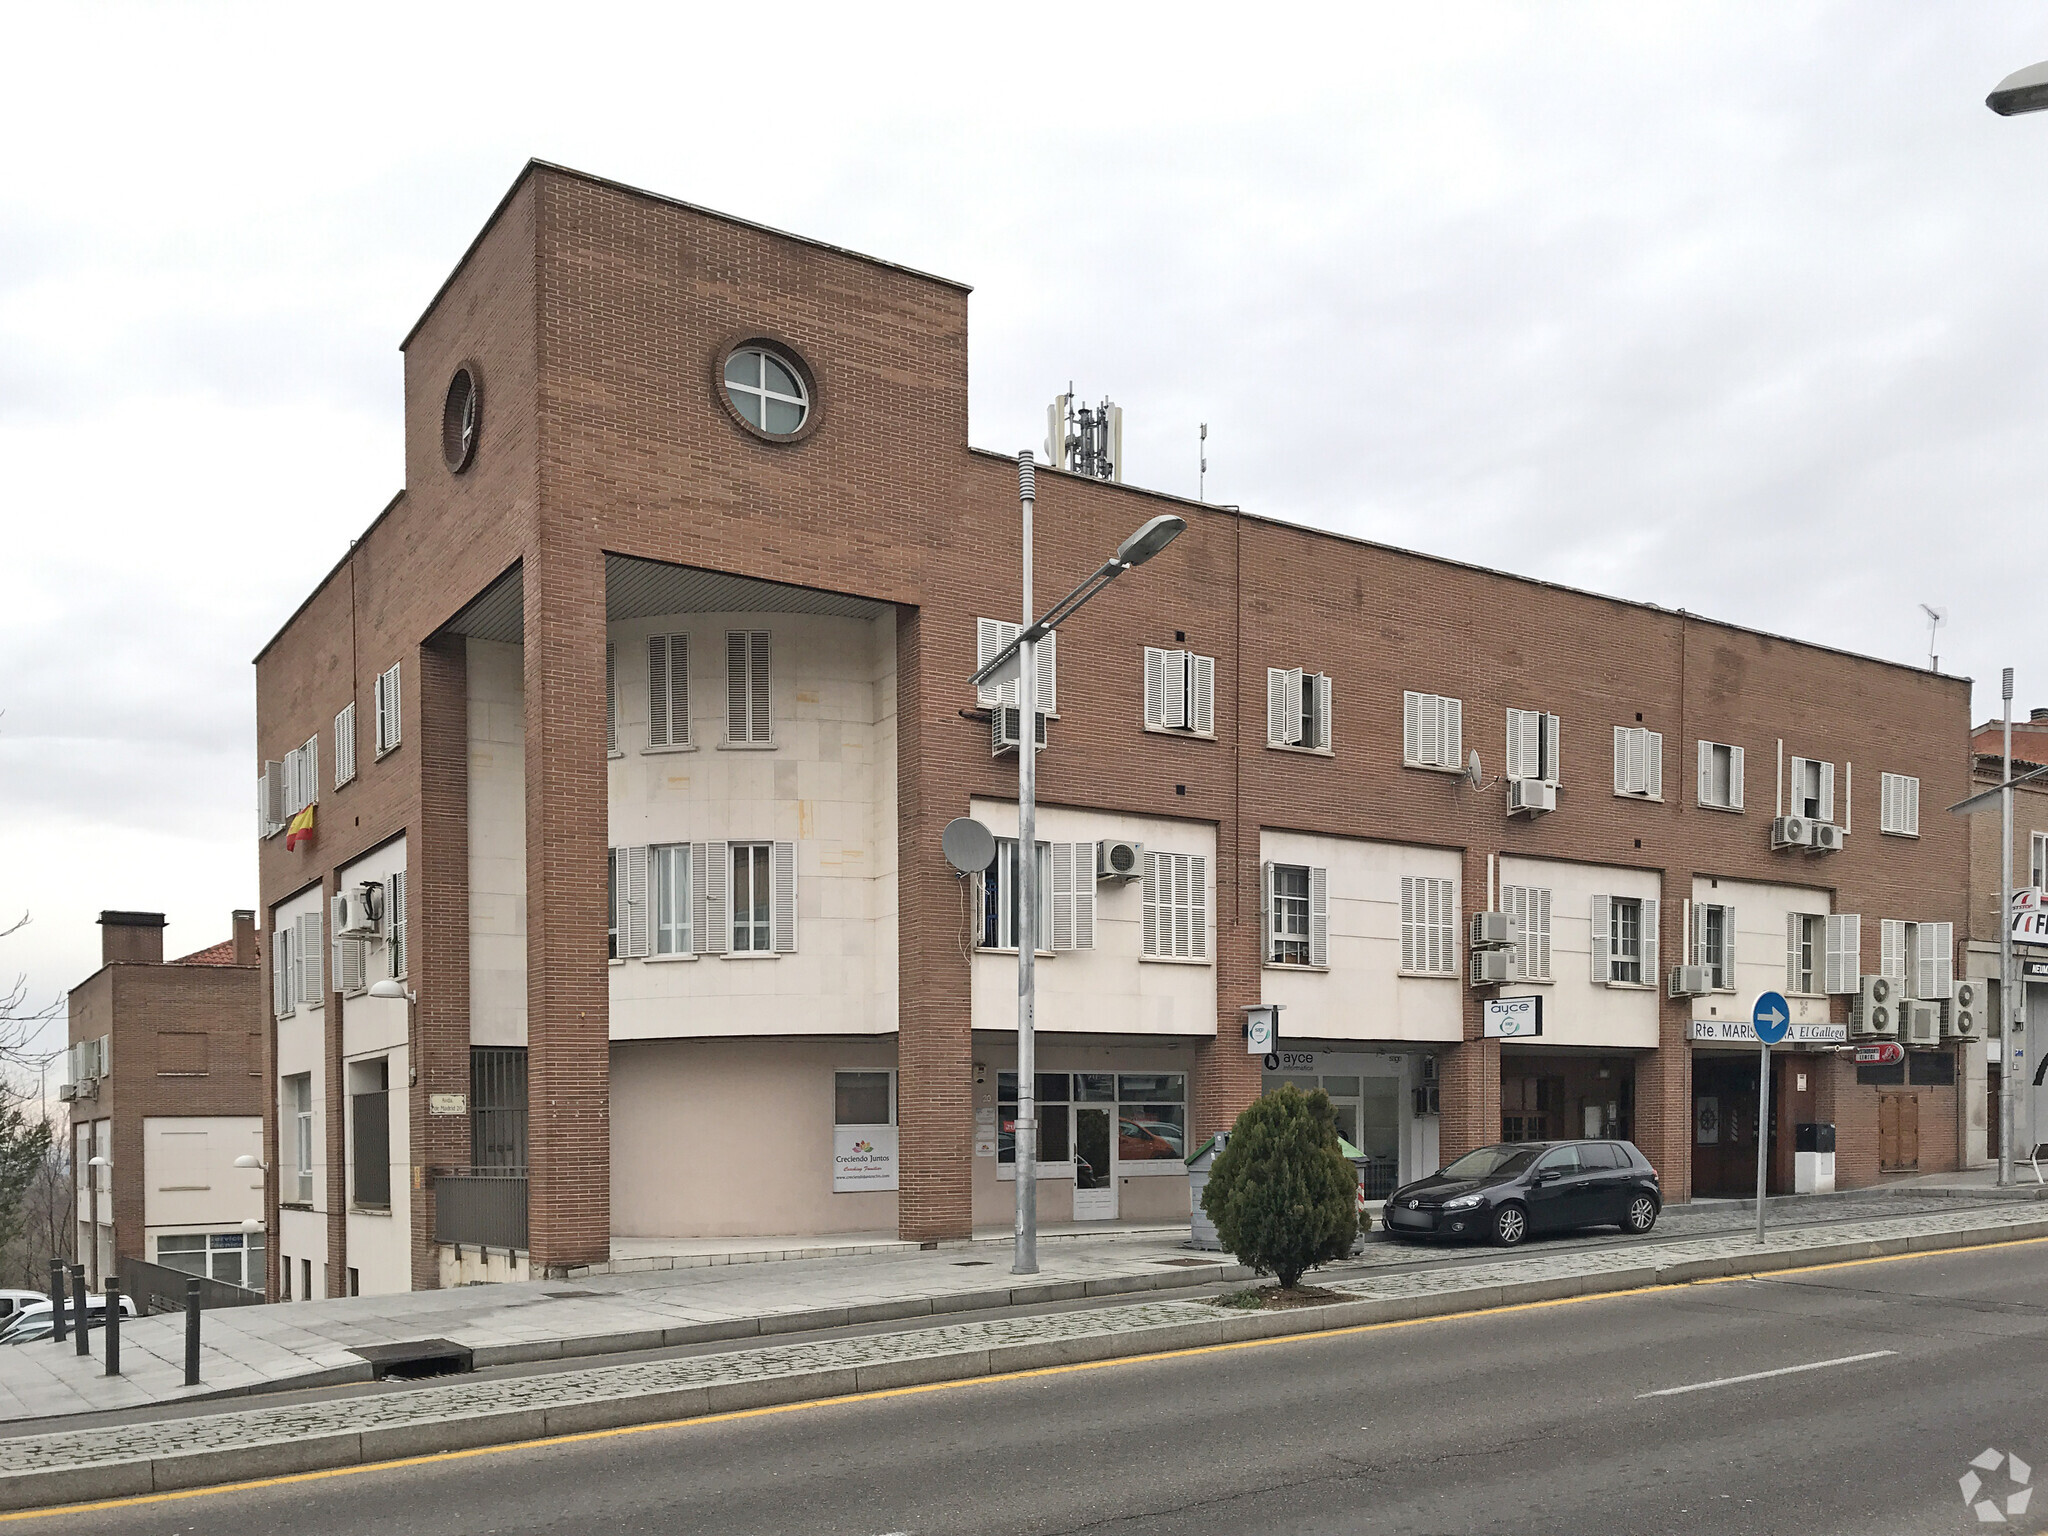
pixel 1282 1194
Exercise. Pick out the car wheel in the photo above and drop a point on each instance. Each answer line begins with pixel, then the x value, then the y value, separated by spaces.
pixel 1510 1226
pixel 1642 1214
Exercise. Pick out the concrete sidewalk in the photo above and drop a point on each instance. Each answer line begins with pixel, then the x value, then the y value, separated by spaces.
pixel 141 1458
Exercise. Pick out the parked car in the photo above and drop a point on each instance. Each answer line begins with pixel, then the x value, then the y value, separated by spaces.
pixel 1507 1191
pixel 35 1320
pixel 12 1301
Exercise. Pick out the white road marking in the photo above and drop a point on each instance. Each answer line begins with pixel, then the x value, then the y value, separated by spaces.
pixel 1783 1370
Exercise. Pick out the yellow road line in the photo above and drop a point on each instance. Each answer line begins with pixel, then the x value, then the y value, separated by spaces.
pixel 969 1381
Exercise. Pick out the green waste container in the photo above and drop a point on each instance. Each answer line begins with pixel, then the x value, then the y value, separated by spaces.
pixel 1201 1230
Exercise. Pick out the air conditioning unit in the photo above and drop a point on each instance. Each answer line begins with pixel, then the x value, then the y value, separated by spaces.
pixel 358 908
pixel 1689 981
pixel 1531 797
pixel 1429 1069
pixel 1492 930
pixel 1875 1008
pixel 1117 859
pixel 1492 967
pixel 1005 730
pixel 66 1092
pixel 1919 1023
pixel 1427 1102
pixel 1824 837
pixel 1791 832
pixel 1966 995
pixel 1959 1022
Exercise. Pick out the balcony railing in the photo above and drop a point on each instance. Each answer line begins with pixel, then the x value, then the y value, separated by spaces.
pixel 481 1207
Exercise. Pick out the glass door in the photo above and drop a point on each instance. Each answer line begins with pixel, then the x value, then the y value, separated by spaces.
pixel 1094 1177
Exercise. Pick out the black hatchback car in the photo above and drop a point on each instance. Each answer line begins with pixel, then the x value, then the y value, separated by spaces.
pixel 1507 1191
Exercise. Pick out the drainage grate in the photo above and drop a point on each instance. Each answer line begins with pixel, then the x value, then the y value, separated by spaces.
pixel 1189 1263
pixel 970 1263
pixel 416 1359
pixel 569 1295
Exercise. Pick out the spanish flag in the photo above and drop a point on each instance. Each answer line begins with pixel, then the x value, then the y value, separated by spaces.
pixel 300 831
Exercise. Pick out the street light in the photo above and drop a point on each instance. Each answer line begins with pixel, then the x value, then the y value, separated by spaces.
pixel 393 989
pixel 1019 660
pixel 2024 90
pixel 251 1160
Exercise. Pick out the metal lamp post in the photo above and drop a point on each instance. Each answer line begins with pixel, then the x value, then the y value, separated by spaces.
pixel 1019 659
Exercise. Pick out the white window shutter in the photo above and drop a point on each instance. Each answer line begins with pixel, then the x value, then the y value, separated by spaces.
pixel 1793 924
pixel 1735 778
pixel 1706 789
pixel 1653 773
pixel 1149 896
pixel 1696 933
pixel 1155 687
pixel 1266 912
pixel 280 975
pixel 1827 791
pixel 1410 923
pixel 1290 709
pixel 1326 730
pixel 782 910
pixel 1173 679
pixel 717 898
pixel 1602 947
pixel 1048 700
pixel 1891 949
pixel 1650 944
pixel 1198 906
pixel 1910 806
pixel 611 697
pixel 638 936
pixel 760 720
pixel 1276 707
pixel 1621 760
pixel 396 921
pixel 1450 749
pixel 1413 709
pixel 1318 915
pixel 1553 745
pixel 1516 749
pixel 990 636
pixel 1540 904
pixel 312 770
pixel 1202 688
pixel 1943 956
pixel 678 690
pixel 312 959
pixel 1727 956
pixel 700 918
pixel 345 745
pixel 1844 952
pixel 657 692
pixel 736 686
pixel 1062 896
pixel 1084 895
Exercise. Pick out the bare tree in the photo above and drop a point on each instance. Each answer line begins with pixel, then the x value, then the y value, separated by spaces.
pixel 21 1024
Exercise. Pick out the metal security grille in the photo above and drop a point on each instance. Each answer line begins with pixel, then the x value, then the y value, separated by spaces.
pixel 497 1108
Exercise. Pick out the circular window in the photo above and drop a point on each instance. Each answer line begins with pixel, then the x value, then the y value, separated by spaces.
pixel 767 391
pixel 461 414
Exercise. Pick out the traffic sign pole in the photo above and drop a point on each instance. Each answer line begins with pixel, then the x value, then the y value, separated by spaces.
pixel 1772 1020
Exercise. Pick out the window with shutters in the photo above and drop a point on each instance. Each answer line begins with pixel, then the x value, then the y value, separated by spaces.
pixel 1180 692
pixel 668 688
pixel 395 920
pixel 1298 710
pixel 270 797
pixel 672 899
pixel 310 948
pixel 1898 811
pixel 1528 912
pixel 1429 926
pixel 753 899
pixel 283 973
pixel 1843 961
pixel 1626 951
pixel 2039 863
pixel 1288 906
pixel 302 777
pixel 345 745
pixel 1810 789
pixel 1919 956
pixel 611 904
pixel 990 636
pixel 1175 906
pixel 749 720
pixel 1065 873
pixel 1638 762
pixel 1432 732
pixel 1532 745
pixel 1805 951
pixel 1713 943
pixel 1720 776
pixel 387 711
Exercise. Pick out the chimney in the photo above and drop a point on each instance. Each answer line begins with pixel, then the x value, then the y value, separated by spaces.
pixel 134 938
pixel 2037 716
pixel 245 937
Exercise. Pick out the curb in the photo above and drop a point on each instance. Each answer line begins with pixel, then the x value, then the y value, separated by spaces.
pixel 229 1464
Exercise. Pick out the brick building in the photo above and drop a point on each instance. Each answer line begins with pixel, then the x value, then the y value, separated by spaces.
pixel 2030 960
pixel 165 1080
pixel 628 730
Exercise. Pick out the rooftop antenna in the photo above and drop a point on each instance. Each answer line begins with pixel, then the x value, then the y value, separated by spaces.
pixel 1202 476
pixel 1084 441
pixel 1936 617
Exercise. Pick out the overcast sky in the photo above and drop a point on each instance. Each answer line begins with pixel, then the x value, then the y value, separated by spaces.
pixel 1736 308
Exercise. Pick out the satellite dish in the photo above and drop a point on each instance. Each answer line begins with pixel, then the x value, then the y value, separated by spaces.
pixel 969 846
pixel 1472 770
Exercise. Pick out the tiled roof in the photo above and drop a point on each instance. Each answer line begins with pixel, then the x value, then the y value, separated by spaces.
pixel 222 953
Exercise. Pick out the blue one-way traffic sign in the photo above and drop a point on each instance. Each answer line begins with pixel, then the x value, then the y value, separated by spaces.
pixel 1771 1018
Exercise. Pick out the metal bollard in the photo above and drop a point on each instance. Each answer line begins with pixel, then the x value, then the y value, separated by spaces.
pixel 191 1333
pixel 113 1294
pixel 57 1308
pixel 83 1329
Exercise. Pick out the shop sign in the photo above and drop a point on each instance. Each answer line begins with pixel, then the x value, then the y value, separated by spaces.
pixel 2029 917
pixel 1885 1053
pixel 2034 970
pixel 447 1103
pixel 984 1133
pixel 863 1157
pixel 1291 1061
pixel 1513 1018
pixel 1743 1032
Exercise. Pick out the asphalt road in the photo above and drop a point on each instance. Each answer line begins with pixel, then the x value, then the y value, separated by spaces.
pixel 1530 1421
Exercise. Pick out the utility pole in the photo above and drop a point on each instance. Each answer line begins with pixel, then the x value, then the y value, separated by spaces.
pixel 2007 1012
pixel 1026 1262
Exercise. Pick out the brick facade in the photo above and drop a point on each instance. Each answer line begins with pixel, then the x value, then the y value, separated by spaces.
pixel 597 318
